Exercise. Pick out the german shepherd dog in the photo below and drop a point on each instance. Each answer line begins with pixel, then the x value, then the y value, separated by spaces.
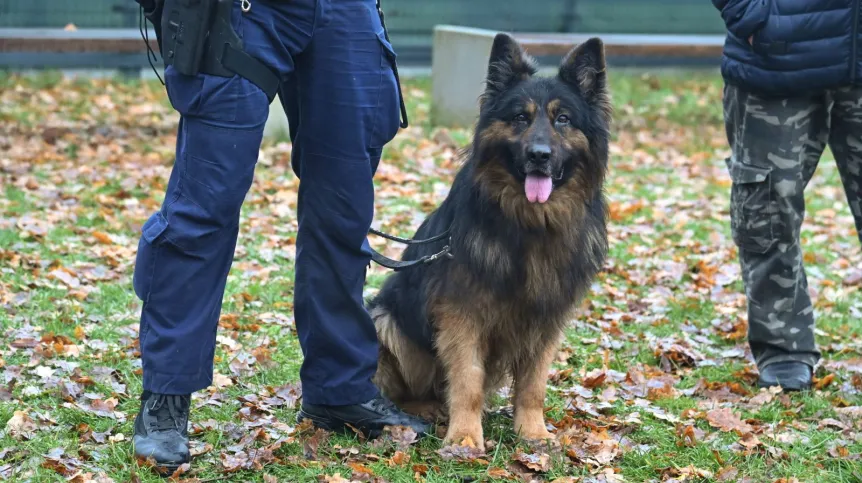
pixel 527 219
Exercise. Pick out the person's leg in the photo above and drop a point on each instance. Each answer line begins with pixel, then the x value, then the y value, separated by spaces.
pixel 846 144
pixel 776 145
pixel 186 248
pixel 347 110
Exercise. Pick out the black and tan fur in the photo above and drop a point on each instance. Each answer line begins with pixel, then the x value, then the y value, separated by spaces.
pixel 456 330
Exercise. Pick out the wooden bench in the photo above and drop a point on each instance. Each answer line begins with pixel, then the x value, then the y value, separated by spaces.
pixel 121 49
pixel 460 60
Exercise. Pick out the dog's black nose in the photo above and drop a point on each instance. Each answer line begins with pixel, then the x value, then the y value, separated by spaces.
pixel 539 153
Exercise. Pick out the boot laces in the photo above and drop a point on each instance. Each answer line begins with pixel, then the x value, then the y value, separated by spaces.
pixel 383 405
pixel 169 410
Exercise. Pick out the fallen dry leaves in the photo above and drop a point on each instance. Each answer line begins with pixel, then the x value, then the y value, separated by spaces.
pixel 84 165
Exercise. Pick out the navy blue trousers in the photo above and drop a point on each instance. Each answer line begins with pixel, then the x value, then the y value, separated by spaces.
pixel 341 99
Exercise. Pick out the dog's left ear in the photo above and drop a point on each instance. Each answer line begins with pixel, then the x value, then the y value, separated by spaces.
pixel 583 68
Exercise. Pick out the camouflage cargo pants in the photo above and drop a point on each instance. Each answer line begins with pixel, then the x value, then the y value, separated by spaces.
pixel 776 145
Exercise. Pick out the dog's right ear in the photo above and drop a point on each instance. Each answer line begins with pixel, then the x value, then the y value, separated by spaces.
pixel 507 65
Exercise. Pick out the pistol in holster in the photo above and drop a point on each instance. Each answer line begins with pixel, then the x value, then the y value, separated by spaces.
pixel 196 36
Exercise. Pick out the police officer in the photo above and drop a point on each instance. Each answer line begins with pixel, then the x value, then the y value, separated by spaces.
pixel 334 74
pixel 793 85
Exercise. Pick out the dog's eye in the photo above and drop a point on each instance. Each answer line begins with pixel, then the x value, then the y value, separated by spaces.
pixel 521 118
pixel 562 119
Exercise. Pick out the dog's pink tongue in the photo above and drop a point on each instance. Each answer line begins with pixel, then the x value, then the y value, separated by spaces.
pixel 538 188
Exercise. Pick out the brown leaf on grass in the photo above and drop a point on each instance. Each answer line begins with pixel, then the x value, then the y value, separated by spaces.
pixel 676 351
pixel 689 435
pixel 361 469
pixel 181 470
pixel 311 445
pixel 499 473
pixel 464 451
pixel 749 440
pixel 850 412
pixel 20 426
pixel 242 364
pixel 255 459
pixel 607 475
pixel 197 448
pixel 288 394
pixel 726 420
pixel 723 391
pixel 594 378
pixel 684 473
pixel 747 374
pixel 221 381
pixel 263 357
pixel 400 458
pixel 840 452
pixel 853 279
pixel 728 473
pixel 26 343
pixel 420 470
pixel 70 391
pixel 267 478
pixel 540 463
pixel 661 387
pixel 57 461
pixel 763 397
pixel 402 436
pixel 736 331
pixel 593 447
pixel 334 478
pixel 853 365
pixel 101 407
pixel 821 383
pixel 103 237
pixel 831 423
pixel 609 395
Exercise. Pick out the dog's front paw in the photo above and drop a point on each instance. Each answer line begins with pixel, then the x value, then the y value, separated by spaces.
pixel 532 429
pixel 471 437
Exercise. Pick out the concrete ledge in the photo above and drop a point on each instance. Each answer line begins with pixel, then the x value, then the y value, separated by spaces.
pixel 276 124
pixel 460 60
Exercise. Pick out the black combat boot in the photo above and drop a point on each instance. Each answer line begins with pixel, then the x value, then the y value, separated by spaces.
pixel 161 429
pixel 369 417
pixel 790 375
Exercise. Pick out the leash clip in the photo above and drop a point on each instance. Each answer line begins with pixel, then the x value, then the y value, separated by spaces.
pixel 246 5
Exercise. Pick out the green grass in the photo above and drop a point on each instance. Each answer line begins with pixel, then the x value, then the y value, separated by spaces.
pixel 669 197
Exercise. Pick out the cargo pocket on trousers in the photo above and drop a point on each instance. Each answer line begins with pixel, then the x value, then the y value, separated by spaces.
pixel 388 115
pixel 145 259
pixel 752 207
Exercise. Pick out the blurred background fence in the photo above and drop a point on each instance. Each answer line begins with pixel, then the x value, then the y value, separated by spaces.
pixel 410 22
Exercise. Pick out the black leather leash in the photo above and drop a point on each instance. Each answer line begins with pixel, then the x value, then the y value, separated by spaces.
pixel 446 252
pixel 398 265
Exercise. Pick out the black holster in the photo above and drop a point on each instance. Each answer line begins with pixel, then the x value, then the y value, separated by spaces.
pixel 197 37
